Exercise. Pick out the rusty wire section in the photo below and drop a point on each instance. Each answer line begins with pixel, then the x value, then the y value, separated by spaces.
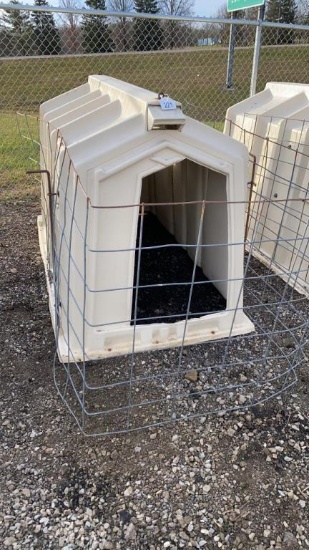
pixel 135 390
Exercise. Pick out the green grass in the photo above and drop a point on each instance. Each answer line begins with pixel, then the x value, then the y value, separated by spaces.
pixel 284 64
pixel 194 77
pixel 18 153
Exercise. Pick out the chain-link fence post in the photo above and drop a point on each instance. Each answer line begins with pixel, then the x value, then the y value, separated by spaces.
pixel 257 49
pixel 230 59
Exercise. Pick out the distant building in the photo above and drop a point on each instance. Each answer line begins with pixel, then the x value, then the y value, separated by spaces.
pixel 207 41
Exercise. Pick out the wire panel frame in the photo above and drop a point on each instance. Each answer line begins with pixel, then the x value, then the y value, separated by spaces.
pixel 280 160
pixel 139 390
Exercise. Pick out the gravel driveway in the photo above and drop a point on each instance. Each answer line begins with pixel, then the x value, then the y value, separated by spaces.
pixel 238 480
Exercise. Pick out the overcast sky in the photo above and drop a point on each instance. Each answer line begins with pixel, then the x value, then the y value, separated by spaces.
pixel 207 7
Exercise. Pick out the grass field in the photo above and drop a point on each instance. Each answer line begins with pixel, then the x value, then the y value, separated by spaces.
pixel 17 155
pixel 194 77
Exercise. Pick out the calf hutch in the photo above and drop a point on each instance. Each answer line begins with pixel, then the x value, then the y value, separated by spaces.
pixel 142 225
pixel 274 124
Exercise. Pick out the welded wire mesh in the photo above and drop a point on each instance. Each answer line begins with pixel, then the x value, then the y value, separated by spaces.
pixel 279 193
pixel 125 392
pixel 187 59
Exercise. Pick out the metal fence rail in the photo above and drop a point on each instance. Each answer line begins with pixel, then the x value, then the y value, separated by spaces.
pixel 46 51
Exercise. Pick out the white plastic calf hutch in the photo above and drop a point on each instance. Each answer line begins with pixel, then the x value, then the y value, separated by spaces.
pixel 274 124
pixel 116 158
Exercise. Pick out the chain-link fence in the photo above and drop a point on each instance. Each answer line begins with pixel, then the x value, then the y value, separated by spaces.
pixel 46 52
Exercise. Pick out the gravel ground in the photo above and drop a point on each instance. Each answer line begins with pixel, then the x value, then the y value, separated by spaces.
pixel 238 480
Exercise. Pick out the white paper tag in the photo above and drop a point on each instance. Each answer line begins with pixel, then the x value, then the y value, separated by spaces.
pixel 167 104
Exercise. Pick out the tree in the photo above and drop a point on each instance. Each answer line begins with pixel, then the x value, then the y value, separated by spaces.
pixel 121 5
pixel 302 19
pixel 47 38
pixel 17 32
pixel 6 43
pixel 147 32
pixel 244 34
pixel 280 11
pixel 16 20
pixel 70 31
pixel 179 8
pixel 303 12
pixel 96 36
pixel 176 34
pixel 220 32
pixel 122 28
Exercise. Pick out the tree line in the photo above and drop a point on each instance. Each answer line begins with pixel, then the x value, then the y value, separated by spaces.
pixel 276 11
pixel 37 32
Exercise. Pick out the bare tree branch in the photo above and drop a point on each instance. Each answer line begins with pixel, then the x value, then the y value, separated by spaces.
pixel 70 20
pixel 121 5
pixel 177 7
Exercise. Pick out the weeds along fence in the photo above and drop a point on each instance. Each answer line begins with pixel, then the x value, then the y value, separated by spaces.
pixel 47 51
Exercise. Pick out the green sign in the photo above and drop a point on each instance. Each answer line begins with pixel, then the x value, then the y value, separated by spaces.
pixel 234 5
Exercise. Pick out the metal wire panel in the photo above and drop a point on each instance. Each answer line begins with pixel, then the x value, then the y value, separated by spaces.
pixel 137 390
pixel 278 207
pixel 188 60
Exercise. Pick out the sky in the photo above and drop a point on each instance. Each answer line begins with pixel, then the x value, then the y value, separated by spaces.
pixel 208 8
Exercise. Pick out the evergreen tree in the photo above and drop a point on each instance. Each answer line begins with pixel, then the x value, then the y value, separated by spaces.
pixel 146 6
pixel 17 32
pixel 16 20
pixel 96 36
pixel 147 32
pixel 47 37
pixel 281 11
